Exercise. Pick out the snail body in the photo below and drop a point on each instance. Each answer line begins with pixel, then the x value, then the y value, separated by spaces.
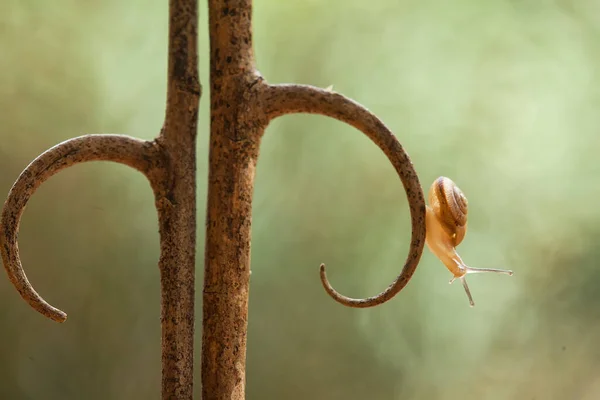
pixel 446 226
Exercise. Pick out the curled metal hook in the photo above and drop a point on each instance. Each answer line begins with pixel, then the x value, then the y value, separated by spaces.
pixel 289 99
pixel 141 155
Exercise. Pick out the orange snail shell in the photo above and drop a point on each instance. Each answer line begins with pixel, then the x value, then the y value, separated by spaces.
pixel 450 207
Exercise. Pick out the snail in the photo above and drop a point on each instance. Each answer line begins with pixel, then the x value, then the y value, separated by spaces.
pixel 446 219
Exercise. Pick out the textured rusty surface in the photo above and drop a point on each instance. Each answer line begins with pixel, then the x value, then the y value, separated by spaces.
pixel 177 209
pixel 242 104
pixel 237 124
pixel 287 99
pixel 138 154
pixel 169 163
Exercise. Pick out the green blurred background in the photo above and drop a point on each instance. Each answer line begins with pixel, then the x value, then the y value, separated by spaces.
pixel 501 96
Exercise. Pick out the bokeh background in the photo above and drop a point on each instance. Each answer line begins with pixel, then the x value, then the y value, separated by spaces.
pixel 501 96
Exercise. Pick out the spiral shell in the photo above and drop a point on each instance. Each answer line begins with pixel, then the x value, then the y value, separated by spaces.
pixel 450 207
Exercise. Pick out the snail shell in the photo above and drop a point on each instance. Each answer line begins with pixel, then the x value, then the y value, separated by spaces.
pixel 450 207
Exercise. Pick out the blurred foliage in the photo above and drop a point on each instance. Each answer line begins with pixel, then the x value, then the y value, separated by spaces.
pixel 501 96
